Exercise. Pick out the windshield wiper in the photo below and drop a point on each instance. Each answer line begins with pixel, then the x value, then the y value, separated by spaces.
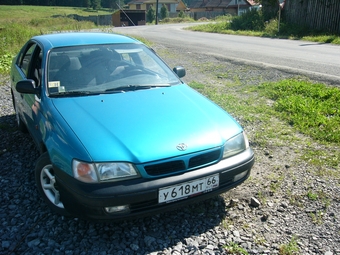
pixel 135 87
pixel 74 93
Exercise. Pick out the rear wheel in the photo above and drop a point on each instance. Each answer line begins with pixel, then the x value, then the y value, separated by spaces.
pixel 47 185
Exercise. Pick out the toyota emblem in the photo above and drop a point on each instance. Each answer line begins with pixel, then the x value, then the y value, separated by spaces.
pixel 181 147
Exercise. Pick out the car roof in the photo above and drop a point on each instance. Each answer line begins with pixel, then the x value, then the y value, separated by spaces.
pixel 81 38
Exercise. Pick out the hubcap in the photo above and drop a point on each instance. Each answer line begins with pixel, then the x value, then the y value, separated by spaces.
pixel 49 186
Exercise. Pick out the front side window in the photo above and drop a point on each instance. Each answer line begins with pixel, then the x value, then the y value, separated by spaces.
pixel 105 69
pixel 25 59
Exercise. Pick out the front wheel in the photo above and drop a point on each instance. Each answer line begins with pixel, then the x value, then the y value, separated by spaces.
pixel 47 185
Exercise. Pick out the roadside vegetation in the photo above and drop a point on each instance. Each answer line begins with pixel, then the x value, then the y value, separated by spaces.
pixel 252 24
pixel 300 105
pixel 310 108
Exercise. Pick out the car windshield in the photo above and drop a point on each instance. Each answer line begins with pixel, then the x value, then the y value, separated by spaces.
pixel 113 68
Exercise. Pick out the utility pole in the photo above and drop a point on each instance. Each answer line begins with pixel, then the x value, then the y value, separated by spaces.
pixel 238 8
pixel 156 12
pixel 278 25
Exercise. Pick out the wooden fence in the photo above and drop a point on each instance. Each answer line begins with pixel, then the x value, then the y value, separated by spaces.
pixel 323 15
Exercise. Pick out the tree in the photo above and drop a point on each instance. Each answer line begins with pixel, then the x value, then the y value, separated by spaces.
pixel 270 8
pixel 111 4
pixel 95 4
pixel 181 14
pixel 164 12
pixel 150 15
pixel 87 3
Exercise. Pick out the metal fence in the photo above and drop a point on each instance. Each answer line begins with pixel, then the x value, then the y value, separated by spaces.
pixel 323 15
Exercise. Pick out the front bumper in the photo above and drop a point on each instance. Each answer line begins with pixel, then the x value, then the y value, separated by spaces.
pixel 141 195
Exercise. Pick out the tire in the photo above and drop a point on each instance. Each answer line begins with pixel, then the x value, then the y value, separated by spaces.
pixel 20 124
pixel 47 185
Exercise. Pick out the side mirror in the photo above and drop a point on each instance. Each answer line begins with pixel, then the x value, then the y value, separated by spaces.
pixel 27 87
pixel 180 71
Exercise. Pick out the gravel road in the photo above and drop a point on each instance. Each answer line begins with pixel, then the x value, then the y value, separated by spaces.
pixel 251 216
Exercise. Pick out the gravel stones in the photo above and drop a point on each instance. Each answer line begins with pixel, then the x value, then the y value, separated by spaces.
pixel 251 217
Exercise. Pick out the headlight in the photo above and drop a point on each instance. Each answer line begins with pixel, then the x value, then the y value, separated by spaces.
pixel 235 145
pixel 112 171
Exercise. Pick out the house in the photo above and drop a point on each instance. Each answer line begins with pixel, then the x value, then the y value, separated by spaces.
pixel 233 7
pixel 174 6
pixel 124 18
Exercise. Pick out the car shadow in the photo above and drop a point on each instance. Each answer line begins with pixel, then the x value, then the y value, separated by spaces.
pixel 31 227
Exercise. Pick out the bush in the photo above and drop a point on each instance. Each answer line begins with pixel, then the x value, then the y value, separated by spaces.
pixel 271 28
pixel 164 12
pixel 151 15
pixel 177 20
pixel 181 14
pixel 250 20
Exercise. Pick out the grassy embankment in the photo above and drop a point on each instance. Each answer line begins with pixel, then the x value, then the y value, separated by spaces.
pixel 19 23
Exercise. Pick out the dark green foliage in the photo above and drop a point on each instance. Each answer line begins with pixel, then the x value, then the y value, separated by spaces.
pixel 270 9
pixel 251 20
pixel 95 4
pixel 151 15
pixel 164 12
pixel 87 3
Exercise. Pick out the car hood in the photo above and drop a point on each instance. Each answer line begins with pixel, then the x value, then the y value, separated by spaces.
pixel 146 125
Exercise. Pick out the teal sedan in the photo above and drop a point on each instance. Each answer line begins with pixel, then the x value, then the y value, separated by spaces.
pixel 120 134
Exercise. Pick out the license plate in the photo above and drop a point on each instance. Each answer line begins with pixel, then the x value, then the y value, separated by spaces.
pixel 187 189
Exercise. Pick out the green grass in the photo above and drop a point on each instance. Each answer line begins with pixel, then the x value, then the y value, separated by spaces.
pixel 233 248
pixel 311 108
pixel 176 20
pixel 291 248
pixel 311 195
pixel 317 217
pixel 27 12
pixel 14 34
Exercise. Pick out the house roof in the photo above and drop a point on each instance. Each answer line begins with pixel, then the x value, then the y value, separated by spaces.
pixel 214 4
pixel 218 3
pixel 154 1
pixel 252 2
